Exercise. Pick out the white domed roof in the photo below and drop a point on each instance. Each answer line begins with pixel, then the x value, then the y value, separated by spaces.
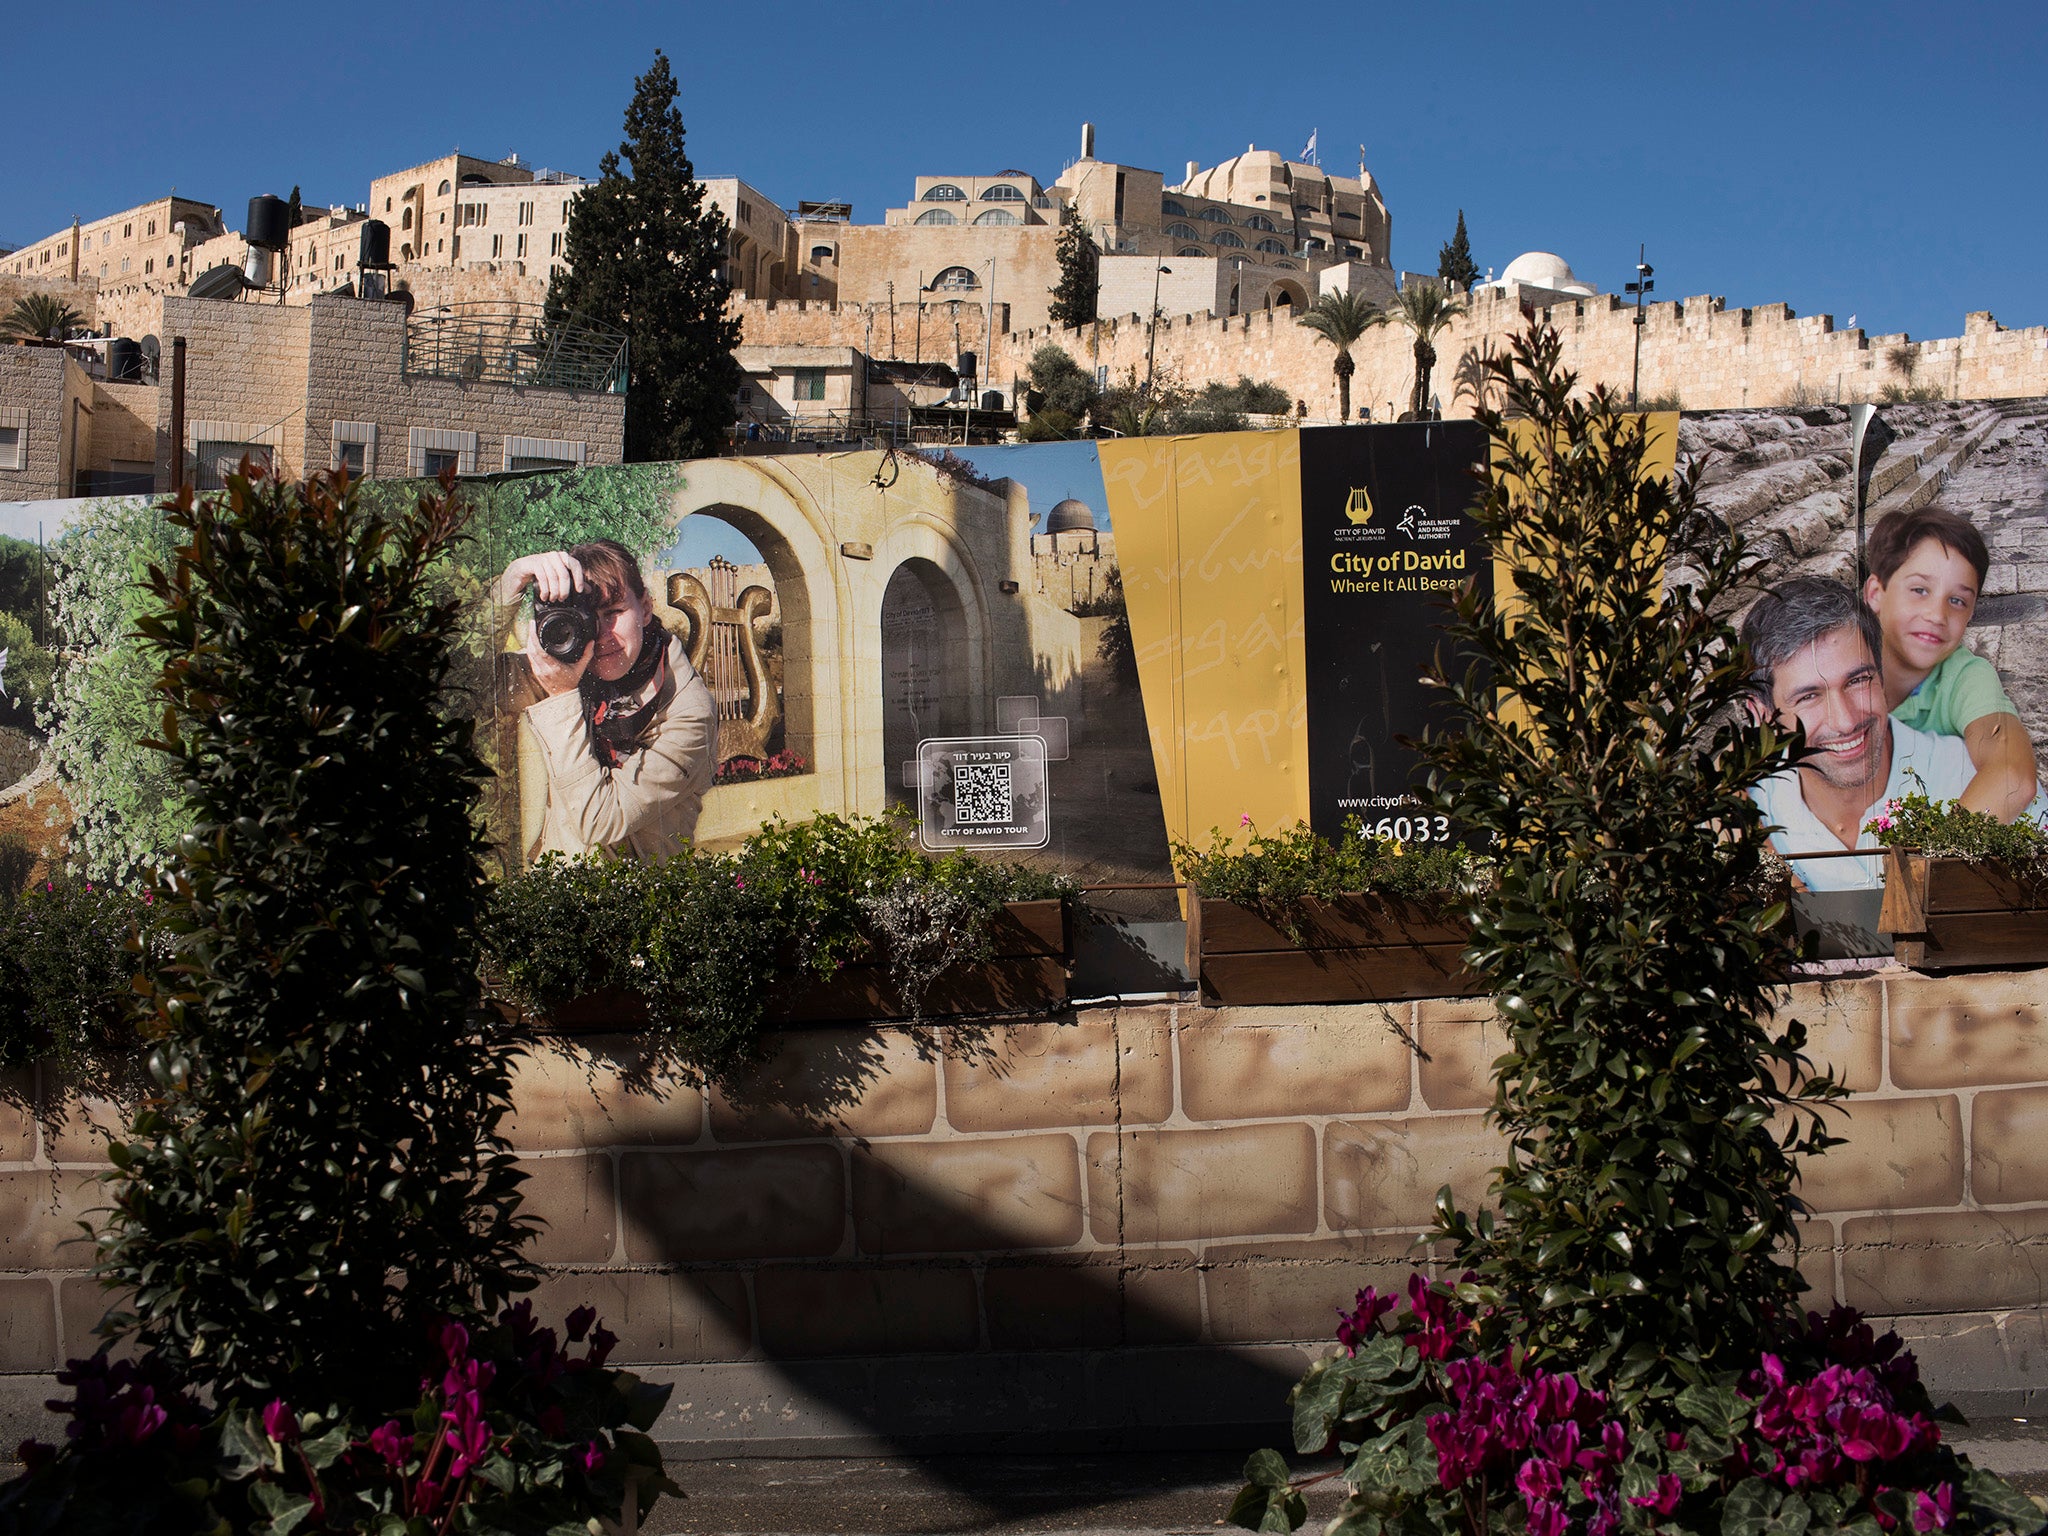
pixel 1543 269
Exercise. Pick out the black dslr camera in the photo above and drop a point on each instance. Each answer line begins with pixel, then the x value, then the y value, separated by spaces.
pixel 565 628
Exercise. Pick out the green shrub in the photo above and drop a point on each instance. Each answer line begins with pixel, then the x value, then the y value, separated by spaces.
pixel 319 1168
pixel 1274 873
pixel 124 797
pixel 704 938
pixel 68 955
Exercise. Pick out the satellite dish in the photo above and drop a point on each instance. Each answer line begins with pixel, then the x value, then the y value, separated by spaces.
pixel 221 282
pixel 151 349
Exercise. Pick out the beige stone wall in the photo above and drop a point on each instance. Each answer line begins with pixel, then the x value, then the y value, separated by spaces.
pixel 935 333
pixel 870 257
pixel 1707 356
pixel 290 372
pixel 124 418
pixel 83 295
pixel 1157 1177
pixel 34 398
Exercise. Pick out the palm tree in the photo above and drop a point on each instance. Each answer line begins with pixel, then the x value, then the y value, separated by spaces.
pixel 1340 319
pixel 1424 309
pixel 40 317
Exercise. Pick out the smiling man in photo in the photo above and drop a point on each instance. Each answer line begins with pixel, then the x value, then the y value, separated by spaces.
pixel 1817 653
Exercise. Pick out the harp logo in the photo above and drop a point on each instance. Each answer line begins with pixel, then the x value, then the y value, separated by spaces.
pixel 1359 506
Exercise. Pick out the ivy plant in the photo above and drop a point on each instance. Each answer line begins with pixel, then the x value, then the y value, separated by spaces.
pixel 705 938
pixel 1275 873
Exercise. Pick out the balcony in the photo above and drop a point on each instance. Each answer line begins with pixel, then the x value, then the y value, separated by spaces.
pixel 502 342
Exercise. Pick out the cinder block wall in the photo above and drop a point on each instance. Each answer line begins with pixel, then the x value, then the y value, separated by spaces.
pixel 1137 1221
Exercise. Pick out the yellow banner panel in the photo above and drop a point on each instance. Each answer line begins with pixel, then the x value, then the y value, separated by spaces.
pixel 1208 536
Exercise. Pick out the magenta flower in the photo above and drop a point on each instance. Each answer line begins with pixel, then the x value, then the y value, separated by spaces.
pixel 1356 1326
pixel 1934 1511
pixel 279 1422
pixel 1665 1500
pixel 391 1442
pixel 594 1457
pixel 454 1342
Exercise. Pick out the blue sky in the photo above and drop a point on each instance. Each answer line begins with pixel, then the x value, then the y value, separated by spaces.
pixel 1882 159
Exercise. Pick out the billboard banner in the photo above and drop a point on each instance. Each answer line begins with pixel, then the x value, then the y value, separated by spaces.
pixel 1386 543
pixel 1074 653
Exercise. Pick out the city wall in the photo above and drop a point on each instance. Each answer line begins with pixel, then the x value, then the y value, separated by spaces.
pixel 1126 1223
pixel 945 329
pixel 1705 355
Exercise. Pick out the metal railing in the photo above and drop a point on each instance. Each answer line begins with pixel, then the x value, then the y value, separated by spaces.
pixel 493 342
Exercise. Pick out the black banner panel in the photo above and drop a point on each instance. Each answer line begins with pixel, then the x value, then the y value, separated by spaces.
pixel 1386 543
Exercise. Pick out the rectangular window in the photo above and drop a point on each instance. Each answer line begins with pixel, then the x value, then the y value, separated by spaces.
pixel 809 384
pixel 522 246
pixel 555 243
pixel 218 460
pixel 497 246
pixel 14 445
pixel 544 452
pixel 526 213
pixel 124 263
pixel 458 247
pixel 355 447
pixel 432 449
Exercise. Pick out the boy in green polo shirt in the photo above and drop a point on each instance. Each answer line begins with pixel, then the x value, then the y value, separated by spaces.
pixel 1926 571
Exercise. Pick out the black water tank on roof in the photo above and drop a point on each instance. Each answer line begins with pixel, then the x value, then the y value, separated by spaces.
pixel 124 359
pixel 376 247
pixel 992 400
pixel 967 365
pixel 270 223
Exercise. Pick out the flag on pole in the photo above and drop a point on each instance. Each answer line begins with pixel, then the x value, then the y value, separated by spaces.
pixel 1309 151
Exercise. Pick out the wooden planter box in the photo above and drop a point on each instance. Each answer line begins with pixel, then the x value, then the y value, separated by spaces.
pixel 1361 949
pixel 1030 945
pixel 1946 913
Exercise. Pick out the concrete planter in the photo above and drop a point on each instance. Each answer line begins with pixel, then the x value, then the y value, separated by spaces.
pixel 1030 948
pixel 1947 913
pixel 1361 949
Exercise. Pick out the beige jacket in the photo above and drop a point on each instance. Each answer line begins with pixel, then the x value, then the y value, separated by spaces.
pixel 647 807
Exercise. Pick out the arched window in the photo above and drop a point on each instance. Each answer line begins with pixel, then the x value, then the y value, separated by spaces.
pixel 1258 221
pixel 1225 237
pixel 996 216
pixel 955 280
pixel 1214 215
pixel 1191 250
pixel 1182 232
pixel 821 253
pixel 444 189
pixel 1353 252
pixel 1002 192
pixel 1170 209
pixel 1277 247
pixel 937 216
pixel 406 222
pixel 945 192
pixel 1287 264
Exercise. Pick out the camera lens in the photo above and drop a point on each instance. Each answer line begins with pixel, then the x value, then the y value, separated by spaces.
pixel 563 630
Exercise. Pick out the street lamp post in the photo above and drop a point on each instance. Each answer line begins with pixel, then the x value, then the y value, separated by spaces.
pixel 1152 330
pixel 1641 286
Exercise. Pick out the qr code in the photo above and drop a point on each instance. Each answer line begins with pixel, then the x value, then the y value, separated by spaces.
pixel 981 794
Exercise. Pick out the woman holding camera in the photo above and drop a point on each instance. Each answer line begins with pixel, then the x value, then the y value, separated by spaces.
pixel 627 729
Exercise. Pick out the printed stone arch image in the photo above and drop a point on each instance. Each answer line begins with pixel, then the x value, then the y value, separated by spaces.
pixel 833 614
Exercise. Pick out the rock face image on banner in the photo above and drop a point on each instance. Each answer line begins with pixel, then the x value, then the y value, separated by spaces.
pixel 1386 542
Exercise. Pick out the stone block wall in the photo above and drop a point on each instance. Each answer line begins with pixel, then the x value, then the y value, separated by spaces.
pixel 35 401
pixel 1134 1218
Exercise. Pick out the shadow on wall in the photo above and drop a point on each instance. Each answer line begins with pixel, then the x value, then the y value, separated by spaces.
pixel 916 1241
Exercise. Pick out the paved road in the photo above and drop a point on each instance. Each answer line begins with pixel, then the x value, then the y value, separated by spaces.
pixel 1130 1495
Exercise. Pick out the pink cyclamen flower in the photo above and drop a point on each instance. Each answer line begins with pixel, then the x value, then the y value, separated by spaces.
pixel 279 1422
pixel 391 1442
pixel 1665 1500
pixel 1245 820
pixel 594 1457
pixel 1933 1512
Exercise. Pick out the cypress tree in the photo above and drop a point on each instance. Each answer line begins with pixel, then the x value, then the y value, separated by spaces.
pixel 1454 261
pixel 646 254
pixel 1073 301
